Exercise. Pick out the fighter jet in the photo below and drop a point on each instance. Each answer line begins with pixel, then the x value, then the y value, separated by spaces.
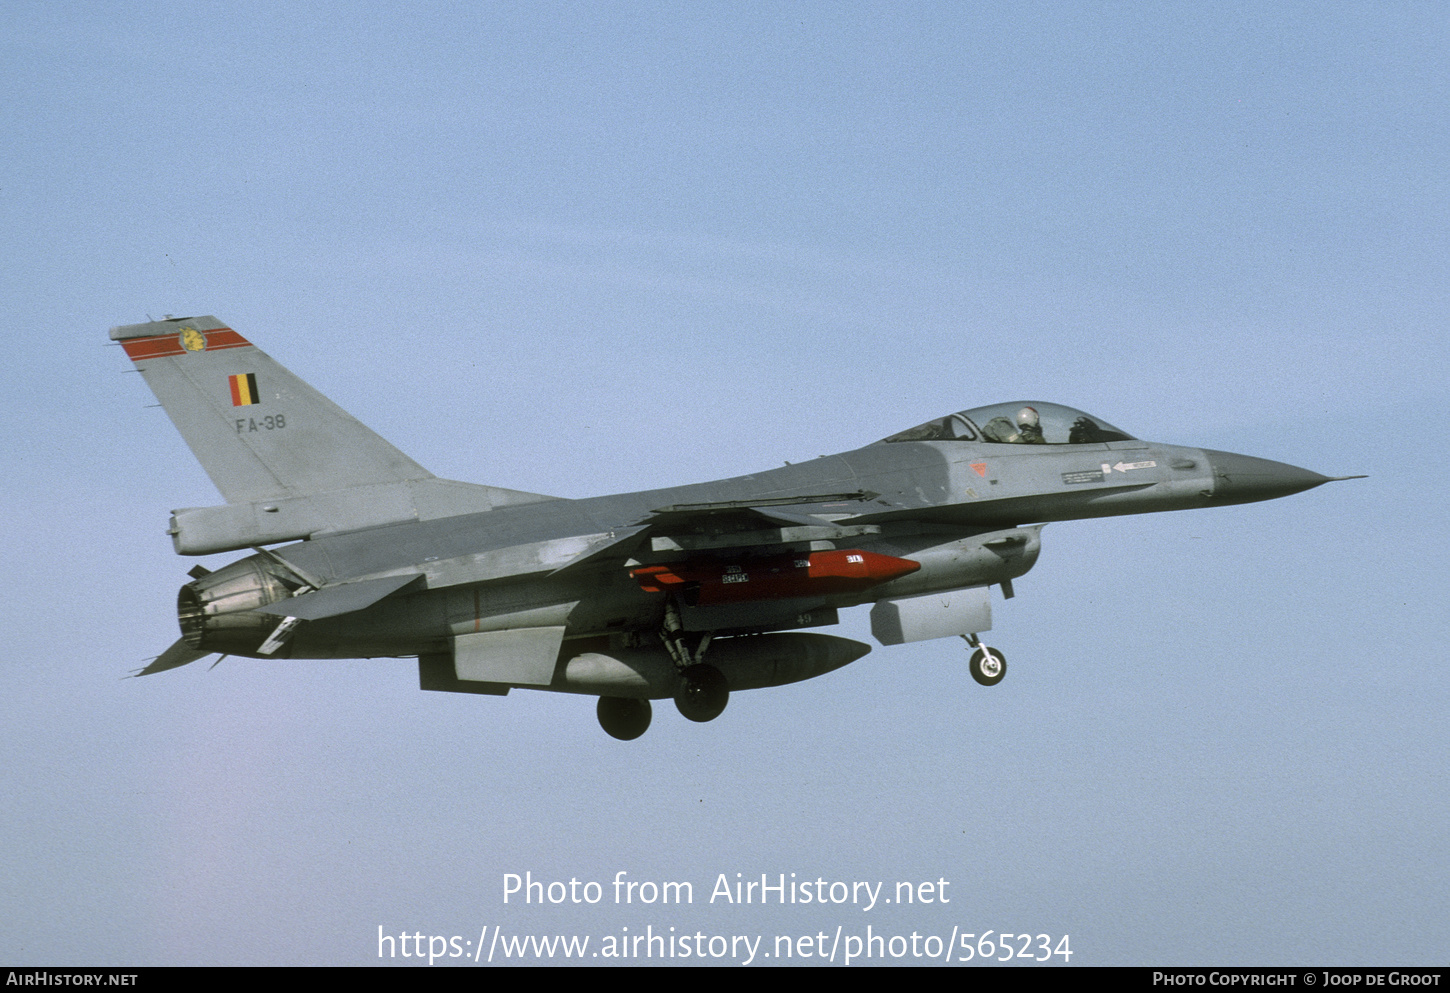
pixel 688 593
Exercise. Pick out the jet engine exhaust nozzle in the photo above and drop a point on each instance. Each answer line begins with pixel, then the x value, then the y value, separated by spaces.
pixel 217 611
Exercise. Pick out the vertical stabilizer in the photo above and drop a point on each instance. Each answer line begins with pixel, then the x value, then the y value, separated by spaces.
pixel 258 431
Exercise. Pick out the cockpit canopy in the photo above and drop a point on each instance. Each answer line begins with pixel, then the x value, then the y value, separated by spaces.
pixel 1031 423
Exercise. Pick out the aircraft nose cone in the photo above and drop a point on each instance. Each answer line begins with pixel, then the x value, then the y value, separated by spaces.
pixel 1245 479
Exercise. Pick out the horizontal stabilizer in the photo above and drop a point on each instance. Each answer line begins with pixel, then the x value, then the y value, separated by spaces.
pixel 177 655
pixel 332 601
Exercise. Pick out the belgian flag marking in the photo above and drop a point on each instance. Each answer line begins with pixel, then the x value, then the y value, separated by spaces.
pixel 244 389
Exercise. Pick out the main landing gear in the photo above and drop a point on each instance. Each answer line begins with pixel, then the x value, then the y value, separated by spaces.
pixel 703 691
pixel 988 665
pixel 624 718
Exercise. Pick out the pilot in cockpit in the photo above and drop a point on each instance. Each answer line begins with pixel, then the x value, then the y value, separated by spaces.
pixel 1027 430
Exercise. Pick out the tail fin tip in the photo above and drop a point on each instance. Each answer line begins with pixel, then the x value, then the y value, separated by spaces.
pixel 175 336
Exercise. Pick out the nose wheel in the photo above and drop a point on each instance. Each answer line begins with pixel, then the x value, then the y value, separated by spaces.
pixel 988 665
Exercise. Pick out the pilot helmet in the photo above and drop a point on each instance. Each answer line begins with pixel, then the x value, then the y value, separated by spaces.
pixel 1027 418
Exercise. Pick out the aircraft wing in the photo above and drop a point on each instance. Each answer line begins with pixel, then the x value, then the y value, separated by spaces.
pixel 726 524
pixel 729 516
pixel 617 546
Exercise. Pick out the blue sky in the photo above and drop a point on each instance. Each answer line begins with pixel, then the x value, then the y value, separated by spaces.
pixel 582 249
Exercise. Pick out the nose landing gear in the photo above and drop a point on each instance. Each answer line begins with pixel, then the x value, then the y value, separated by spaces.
pixel 988 665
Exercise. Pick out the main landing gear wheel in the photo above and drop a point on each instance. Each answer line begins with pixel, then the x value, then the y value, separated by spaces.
pixel 624 718
pixel 703 692
pixel 988 666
